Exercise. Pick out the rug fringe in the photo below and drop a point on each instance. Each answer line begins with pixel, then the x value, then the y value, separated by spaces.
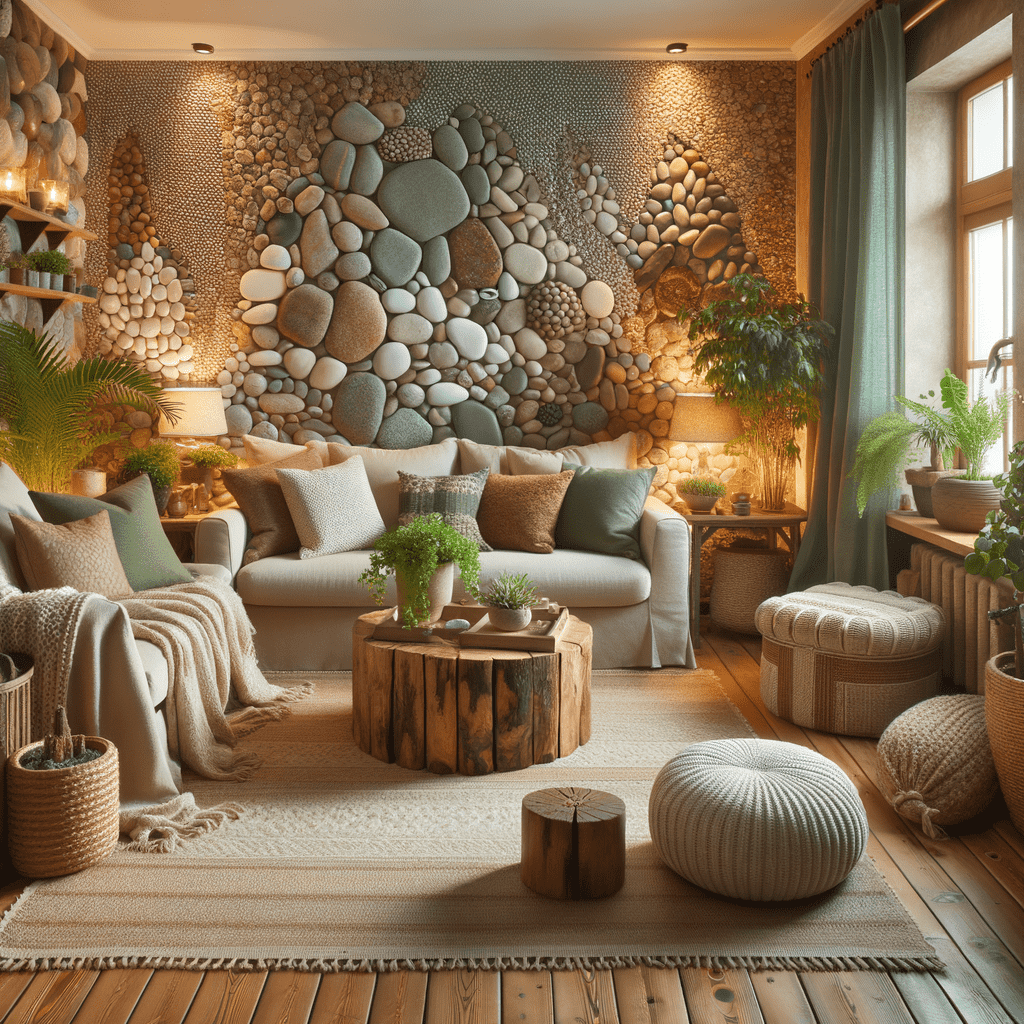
pixel 900 965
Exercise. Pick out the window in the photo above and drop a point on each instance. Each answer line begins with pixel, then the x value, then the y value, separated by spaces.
pixel 985 235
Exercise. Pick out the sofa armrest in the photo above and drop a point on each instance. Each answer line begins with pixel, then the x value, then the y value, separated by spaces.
pixel 221 538
pixel 665 546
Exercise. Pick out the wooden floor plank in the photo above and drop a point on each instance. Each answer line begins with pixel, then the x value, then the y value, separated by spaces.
pixel 52 997
pixel 861 997
pixel 167 997
pixel 114 996
pixel 924 998
pixel 526 997
pixel 720 997
pixel 463 997
pixel 584 997
pixel 665 997
pixel 343 999
pixel 1011 835
pixel 226 997
pixel 631 996
pixel 781 998
pixel 399 998
pixel 11 987
pixel 999 858
pixel 287 998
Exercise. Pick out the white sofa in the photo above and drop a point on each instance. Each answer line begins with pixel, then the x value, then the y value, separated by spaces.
pixel 304 609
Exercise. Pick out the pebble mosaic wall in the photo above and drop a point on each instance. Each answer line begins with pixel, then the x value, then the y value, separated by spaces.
pixel 394 253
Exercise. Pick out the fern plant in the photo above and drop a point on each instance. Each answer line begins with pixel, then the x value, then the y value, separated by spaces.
pixel 46 403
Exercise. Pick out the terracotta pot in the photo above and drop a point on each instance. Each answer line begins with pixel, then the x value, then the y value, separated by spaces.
pixel 1004 719
pixel 962 505
pixel 439 593
pixel 508 620
pixel 921 482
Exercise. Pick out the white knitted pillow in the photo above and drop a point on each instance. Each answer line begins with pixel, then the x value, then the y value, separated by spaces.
pixel 333 508
pixel 934 762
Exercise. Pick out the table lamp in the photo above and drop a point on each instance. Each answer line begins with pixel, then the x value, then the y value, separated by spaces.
pixel 699 418
pixel 200 418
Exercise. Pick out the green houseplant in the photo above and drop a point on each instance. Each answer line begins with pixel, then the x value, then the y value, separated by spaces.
pixel 765 357
pixel 510 597
pixel 18 265
pixel 999 554
pixel 50 261
pixel 47 403
pixel 700 493
pixel 200 462
pixel 414 552
pixel 159 461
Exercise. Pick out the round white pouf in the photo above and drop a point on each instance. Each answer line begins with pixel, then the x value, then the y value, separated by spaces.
pixel 757 819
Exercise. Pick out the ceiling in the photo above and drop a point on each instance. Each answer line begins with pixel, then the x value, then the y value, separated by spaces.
pixel 445 29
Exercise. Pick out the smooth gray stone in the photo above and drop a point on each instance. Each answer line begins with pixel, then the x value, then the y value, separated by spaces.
pixel 423 198
pixel 336 163
pixel 449 147
pixel 477 184
pixel 354 123
pixel 284 229
pixel 359 407
pixel 476 422
pixel 405 428
pixel 304 315
pixel 515 381
pixel 437 260
pixel 367 171
pixel 395 257
pixel 472 133
pixel 590 368
pixel 589 417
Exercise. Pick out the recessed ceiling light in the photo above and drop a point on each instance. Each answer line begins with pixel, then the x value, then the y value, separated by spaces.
pixel 676 48
pixel 203 47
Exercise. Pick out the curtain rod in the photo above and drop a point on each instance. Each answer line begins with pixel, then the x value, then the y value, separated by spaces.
pixel 926 11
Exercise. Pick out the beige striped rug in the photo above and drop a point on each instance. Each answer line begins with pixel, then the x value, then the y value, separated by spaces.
pixel 345 863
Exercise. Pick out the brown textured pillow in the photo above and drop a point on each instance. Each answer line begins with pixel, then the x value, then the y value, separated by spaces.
pixel 262 501
pixel 79 554
pixel 518 513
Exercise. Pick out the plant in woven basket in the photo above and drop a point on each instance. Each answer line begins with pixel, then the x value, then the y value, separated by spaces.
pixel 59 748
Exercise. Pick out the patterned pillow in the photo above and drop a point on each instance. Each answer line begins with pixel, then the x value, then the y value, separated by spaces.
pixel 261 500
pixel 518 513
pixel 456 498
pixel 332 508
pixel 79 554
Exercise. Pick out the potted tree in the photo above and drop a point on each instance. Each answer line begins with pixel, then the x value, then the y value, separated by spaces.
pixel 422 555
pixel 47 403
pixel 510 600
pixel 159 461
pixel 998 554
pixel 765 357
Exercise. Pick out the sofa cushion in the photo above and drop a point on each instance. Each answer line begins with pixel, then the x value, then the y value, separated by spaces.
pixel 143 547
pixel 617 454
pixel 578 579
pixel 259 496
pixel 80 554
pixel 506 458
pixel 332 508
pixel 519 513
pixel 455 499
pixel 261 451
pixel 602 508
pixel 382 466
pixel 14 497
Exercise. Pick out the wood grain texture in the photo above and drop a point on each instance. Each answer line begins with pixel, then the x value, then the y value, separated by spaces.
pixel 514 681
pixel 409 707
pixel 476 713
pixel 343 999
pixel 441 685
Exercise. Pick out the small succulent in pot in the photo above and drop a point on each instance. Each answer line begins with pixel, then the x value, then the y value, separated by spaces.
pixel 700 493
pixel 511 597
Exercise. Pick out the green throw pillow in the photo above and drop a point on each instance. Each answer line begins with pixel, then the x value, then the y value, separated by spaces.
pixel 145 552
pixel 601 510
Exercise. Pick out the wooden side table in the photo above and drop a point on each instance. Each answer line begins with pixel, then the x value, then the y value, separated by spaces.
pixel 784 525
pixel 469 710
pixel 181 532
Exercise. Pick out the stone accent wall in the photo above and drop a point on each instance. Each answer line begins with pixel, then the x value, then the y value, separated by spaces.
pixel 394 253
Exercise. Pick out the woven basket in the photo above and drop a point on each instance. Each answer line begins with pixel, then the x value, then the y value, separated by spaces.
pixel 1004 719
pixel 15 732
pixel 62 820
pixel 745 577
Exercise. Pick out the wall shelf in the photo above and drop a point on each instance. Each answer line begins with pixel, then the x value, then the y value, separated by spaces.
pixel 49 299
pixel 33 223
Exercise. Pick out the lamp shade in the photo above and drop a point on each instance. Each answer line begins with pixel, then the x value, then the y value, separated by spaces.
pixel 201 415
pixel 698 417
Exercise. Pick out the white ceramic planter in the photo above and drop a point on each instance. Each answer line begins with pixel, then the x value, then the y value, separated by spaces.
pixel 439 593
pixel 508 620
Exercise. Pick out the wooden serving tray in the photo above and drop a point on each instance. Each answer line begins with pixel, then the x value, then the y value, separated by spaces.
pixel 540 635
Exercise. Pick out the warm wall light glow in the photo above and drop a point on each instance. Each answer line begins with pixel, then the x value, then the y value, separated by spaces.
pixel 55 194
pixel 676 48
pixel 203 47
pixel 12 184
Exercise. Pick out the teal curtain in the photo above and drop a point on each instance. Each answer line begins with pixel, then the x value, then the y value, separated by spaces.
pixel 855 276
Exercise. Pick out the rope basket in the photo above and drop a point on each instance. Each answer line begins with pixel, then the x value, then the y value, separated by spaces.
pixel 744 577
pixel 1004 719
pixel 15 731
pixel 61 820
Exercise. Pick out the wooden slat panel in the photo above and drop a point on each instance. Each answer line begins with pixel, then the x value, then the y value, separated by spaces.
pixel 925 1000
pixel 462 997
pixel 52 997
pixel 720 997
pixel 526 997
pixel 781 998
pixel 343 999
pixel 631 996
pixel 856 998
pixel 287 998
pixel 225 997
pixel 167 997
pixel 114 996
pixel 399 998
pixel 409 708
pixel 584 997
pixel 441 685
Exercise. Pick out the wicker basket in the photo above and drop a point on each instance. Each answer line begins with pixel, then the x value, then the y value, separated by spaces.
pixel 62 820
pixel 1004 719
pixel 15 732
pixel 744 577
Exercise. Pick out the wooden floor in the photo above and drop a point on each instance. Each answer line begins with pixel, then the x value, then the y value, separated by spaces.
pixel 967 895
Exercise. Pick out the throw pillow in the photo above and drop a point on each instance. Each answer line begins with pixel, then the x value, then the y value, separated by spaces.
pixel 143 547
pixel 506 458
pixel 617 454
pixel 260 451
pixel 518 513
pixel 332 508
pixel 456 498
pixel 259 496
pixel 14 497
pixel 602 510
pixel 81 555
pixel 383 464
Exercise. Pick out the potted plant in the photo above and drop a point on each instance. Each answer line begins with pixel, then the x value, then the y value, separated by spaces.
pixel 765 357
pixel 201 461
pixel 46 405
pixel 510 599
pixel 18 267
pixel 50 264
pixel 700 493
pixel 998 554
pixel 422 554
pixel 159 461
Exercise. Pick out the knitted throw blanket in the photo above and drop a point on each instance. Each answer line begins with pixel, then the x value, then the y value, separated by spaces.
pixel 205 636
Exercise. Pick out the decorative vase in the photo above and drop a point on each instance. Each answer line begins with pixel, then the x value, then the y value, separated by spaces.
pixel 44 279
pixel 508 620
pixel 1004 719
pixel 921 482
pixel 962 505
pixel 32 278
pixel 439 593
pixel 89 482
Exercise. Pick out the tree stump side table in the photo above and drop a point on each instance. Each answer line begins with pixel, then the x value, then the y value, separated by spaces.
pixel 470 711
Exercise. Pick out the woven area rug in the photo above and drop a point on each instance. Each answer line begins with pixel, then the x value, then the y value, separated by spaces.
pixel 345 863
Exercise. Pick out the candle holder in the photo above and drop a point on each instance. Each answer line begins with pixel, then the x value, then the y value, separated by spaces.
pixel 12 184
pixel 56 195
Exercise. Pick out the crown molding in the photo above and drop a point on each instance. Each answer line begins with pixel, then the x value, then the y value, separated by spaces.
pixel 828 25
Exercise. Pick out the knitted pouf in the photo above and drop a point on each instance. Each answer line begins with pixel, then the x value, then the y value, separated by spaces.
pixel 935 764
pixel 757 819
pixel 848 659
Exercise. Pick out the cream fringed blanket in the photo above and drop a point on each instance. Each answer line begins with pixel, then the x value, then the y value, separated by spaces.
pixel 85 657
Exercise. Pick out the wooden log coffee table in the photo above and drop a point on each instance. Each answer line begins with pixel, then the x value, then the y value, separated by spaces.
pixel 469 710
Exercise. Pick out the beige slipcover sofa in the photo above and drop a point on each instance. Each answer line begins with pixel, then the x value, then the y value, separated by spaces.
pixel 304 609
